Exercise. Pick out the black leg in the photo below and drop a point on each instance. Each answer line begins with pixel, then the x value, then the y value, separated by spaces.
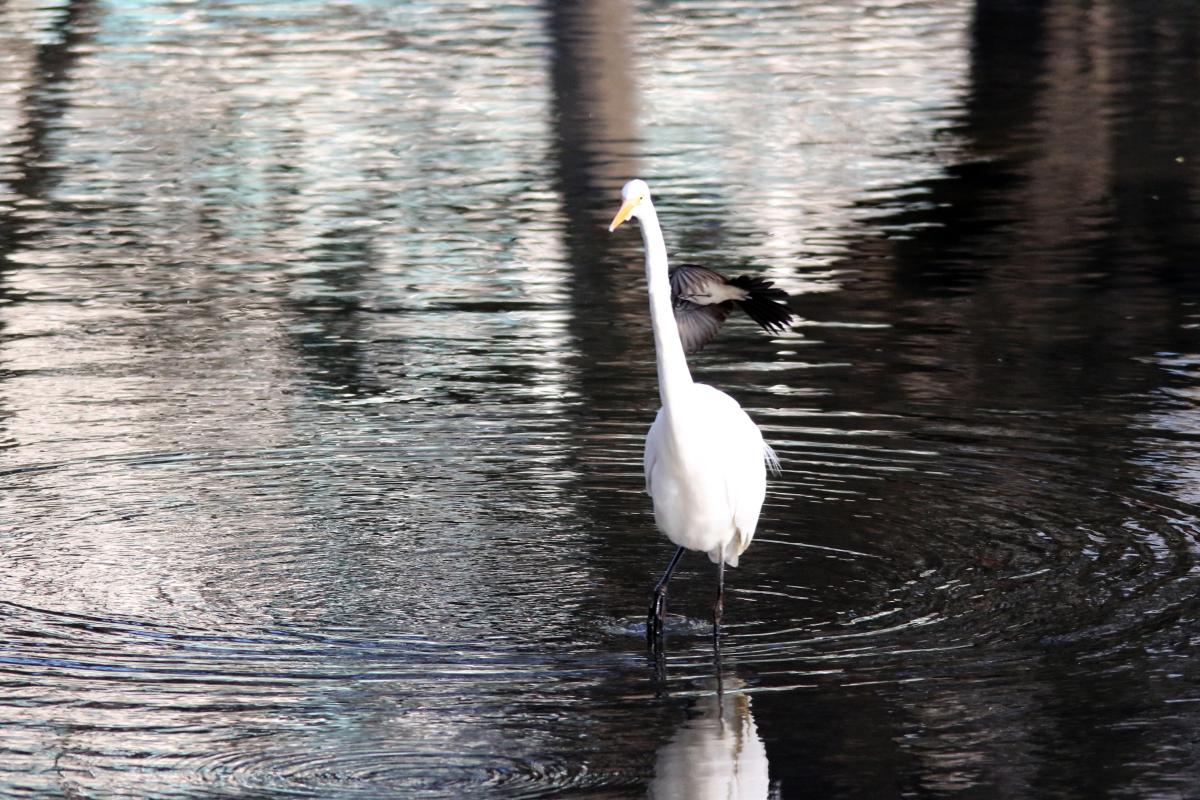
pixel 719 606
pixel 658 605
pixel 719 676
pixel 717 609
pixel 660 671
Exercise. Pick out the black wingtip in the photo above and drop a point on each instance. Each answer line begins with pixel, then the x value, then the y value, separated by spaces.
pixel 764 303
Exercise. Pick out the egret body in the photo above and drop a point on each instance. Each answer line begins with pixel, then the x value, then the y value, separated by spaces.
pixel 705 461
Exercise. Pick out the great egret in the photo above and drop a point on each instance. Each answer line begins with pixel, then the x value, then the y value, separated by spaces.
pixel 702 299
pixel 706 462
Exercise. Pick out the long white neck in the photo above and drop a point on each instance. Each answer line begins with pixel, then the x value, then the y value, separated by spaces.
pixel 674 379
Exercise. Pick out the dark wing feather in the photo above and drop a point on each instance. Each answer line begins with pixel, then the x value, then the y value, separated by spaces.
pixel 695 283
pixel 697 324
pixel 764 303
pixel 702 299
pixel 699 298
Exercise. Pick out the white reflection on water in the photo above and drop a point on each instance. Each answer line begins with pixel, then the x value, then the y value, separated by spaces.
pixel 716 753
pixel 826 115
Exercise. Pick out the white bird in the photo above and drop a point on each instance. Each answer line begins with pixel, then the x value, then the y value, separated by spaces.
pixel 706 462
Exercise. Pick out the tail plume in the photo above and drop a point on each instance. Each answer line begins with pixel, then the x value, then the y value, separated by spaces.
pixel 772 460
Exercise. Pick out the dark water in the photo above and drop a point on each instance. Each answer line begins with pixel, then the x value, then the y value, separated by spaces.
pixel 323 388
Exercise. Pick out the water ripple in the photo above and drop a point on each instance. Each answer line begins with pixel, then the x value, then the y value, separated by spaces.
pixel 323 395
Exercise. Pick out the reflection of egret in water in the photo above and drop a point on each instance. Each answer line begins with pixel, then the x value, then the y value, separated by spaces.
pixel 717 752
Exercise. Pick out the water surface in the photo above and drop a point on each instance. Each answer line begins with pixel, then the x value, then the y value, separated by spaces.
pixel 323 390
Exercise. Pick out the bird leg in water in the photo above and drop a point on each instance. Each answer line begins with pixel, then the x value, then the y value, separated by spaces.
pixel 658 604
pixel 719 606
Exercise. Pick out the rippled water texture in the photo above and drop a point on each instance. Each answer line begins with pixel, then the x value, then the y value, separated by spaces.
pixel 323 389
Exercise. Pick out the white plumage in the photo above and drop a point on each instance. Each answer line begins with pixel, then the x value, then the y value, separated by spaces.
pixel 708 484
pixel 706 462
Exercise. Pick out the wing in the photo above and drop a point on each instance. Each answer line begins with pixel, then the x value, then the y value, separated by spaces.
pixel 764 302
pixel 738 445
pixel 701 285
pixel 698 324
pixel 654 445
pixel 747 487
pixel 701 300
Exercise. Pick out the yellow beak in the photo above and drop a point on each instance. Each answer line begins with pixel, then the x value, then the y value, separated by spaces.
pixel 626 209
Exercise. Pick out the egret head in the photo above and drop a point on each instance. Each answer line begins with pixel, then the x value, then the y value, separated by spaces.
pixel 635 196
